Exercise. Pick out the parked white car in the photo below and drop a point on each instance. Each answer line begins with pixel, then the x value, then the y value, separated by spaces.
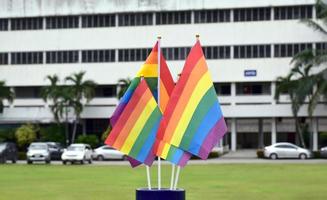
pixel 38 151
pixel 77 153
pixel 286 150
pixel 107 152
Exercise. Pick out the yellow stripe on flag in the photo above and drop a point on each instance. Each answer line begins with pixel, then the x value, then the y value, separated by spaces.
pixel 148 70
pixel 138 126
pixel 165 151
pixel 201 88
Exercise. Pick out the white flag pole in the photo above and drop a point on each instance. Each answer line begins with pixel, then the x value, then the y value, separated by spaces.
pixel 158 86
pixel 172 176
pixel 176 179
pixel 148 176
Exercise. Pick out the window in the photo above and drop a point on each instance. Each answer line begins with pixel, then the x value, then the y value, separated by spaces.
pixel 90 56
pixel 26 58
pixel 3 58
pixel 321 46
pixel 32 23
pixel 293 12
pixel 135 19
pixel 182 17
pixel 223 89
pixel 176 53
pixel 61 57
pixel 290 50
pixel 211 16
pixel 253 88
pixel 98 21
pixel 27 92
pixel 128 55
pixel 3 24
pixel 62 22
pixel 252 51
pixel 217 52
pixel 251 14
pixel 106 91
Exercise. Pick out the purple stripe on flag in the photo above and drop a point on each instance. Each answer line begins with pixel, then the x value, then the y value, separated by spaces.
pixel 185 157
pixel 216 133
pixel 133 162
pixel 117 113
pixel 149 159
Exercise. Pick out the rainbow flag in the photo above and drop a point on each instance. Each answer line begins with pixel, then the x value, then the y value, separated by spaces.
pixel 149 71
pixel 193 120
pixel 135 131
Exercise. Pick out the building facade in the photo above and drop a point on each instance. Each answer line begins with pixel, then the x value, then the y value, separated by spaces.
pixel 247 43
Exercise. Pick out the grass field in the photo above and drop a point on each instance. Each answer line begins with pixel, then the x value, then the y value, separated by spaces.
pixel 204 182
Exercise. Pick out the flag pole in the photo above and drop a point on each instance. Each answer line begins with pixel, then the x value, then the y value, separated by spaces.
pixel 158 86
pixel 148 176
pixel 172 176
pixel 176 179
pixel 147 167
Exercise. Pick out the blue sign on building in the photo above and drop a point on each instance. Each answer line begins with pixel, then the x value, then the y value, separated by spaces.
pixel 251 72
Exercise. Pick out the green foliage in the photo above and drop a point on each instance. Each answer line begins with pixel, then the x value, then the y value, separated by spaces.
pixel 53 133
pixel 25 135
pixel 316 154
pixel 123 86
pixel 106 133
pixel 92 140
pixel 7 135
pixel 260 153
pixel 21 155
pixel 5 93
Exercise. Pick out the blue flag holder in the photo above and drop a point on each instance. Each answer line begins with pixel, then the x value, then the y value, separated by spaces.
pixel 162 194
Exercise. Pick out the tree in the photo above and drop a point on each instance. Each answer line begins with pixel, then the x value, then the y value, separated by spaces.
pixel 25 135
pixel 61 98
pixel 303 82
pixel 5 93
pixel 123 86
pixel 79 90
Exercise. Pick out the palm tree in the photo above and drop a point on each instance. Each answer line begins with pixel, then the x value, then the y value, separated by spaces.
pixel 61 98
pixel 123 86
pixel 291 87
pixel 5 93
pixel 79 89
pixel 301 83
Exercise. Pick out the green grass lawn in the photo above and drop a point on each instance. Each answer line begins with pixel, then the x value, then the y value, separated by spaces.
pixel 204 182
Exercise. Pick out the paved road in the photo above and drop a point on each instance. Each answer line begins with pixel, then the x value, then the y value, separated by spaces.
pixel 221 160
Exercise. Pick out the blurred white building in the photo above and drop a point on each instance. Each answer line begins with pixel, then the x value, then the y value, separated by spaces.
pixel 248 44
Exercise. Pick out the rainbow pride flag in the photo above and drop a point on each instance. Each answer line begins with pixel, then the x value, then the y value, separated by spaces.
pixel 149 71
pixel 193 120
pixel 135 131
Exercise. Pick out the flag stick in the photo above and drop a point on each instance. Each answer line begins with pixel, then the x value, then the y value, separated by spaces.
pixel 148 176
pixel 176 179
pixel 158 86
pixel 172 176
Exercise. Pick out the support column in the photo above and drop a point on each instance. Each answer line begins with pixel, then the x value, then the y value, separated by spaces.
pixel 233 93
pixel 260 134
pixel 233 136
pixel 273 130
pixel 315 133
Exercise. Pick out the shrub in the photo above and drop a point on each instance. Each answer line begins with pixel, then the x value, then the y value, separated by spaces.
pixel 25 135
pixel 21 155
pixel 53 133
pixel 7 135
pixel 213 154
pixel 316 154
pixel 92 140
pixel 260 153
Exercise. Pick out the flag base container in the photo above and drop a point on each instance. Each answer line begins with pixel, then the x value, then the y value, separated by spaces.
pixel 162 194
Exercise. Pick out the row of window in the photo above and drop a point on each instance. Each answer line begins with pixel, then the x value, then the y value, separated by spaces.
pixel 158 18
pixel 222 89
pixel 175 53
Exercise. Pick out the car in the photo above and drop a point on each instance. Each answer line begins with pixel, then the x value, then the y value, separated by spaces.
pixel 77 153
pixel 56 150
pixel 286 150
pixel 323 152
pixel 8 151
pixel 38 151
pixel 106 152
